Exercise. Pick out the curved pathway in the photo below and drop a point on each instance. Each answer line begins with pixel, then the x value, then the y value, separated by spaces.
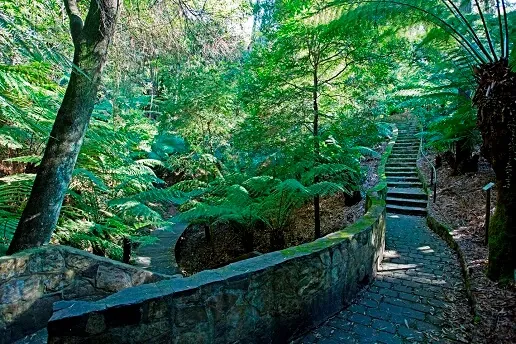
pixel 418 283
pixel 160 256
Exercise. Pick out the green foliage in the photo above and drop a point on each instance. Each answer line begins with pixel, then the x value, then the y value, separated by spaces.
pixel 201 111
pixel 262 198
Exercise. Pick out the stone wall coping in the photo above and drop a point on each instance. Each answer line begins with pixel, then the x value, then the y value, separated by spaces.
pixel 235 271
pixel 26 254
pixel 74 318
pixel 375 206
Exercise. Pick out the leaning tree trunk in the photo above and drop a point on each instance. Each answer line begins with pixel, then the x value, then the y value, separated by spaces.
pixel 91 41
pixel 495 99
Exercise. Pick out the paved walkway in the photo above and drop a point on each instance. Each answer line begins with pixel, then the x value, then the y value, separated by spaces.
pixel 418 280
pixel 160 256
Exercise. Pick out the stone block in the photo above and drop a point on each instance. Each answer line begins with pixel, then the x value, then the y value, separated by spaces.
pixel 24 288
pixel 95 323
pixel 186 316
pixel 12 267
pixel 78 262
pixel 46 260
pixel 112 279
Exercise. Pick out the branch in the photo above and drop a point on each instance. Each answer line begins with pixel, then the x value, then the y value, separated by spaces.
pixel 337 54
pixel 500 26
pixel 338 74
pixel 308 127
pixel 488 36
pixel 296 87
pixel 458 14
pixel 507 52
pixel 76 23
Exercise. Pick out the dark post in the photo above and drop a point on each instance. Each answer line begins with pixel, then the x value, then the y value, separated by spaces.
pixel 487 189
pixel 435 191
pixel 127 250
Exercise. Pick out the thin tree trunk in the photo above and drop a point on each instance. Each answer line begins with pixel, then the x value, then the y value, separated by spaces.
pixel 317 209
pixel 91 41
pixel 464 162
pixel 496 103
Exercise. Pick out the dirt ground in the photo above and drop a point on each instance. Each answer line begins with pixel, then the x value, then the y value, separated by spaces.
pixel 194 254
pixel 461 205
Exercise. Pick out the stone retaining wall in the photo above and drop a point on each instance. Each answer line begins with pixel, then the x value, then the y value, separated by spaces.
pixel 267 299
pixel 31 281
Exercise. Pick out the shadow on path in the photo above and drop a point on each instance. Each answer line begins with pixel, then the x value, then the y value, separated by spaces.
pixel 418 282
pixel 160 256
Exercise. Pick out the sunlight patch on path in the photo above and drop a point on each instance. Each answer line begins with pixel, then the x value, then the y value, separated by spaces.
pixel 419 279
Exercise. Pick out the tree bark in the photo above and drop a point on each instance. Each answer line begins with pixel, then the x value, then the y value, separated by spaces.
pixel 317 209
pixel 91 41
pixel 464 161
pixel 496 103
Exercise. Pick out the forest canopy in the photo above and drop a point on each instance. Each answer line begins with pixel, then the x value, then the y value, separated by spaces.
pixel 229 110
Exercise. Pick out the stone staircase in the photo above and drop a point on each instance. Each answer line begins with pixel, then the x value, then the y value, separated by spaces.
pixel 405 194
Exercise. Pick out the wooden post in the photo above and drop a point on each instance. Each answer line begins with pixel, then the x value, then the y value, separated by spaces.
pixel 127 250
pixel 487 189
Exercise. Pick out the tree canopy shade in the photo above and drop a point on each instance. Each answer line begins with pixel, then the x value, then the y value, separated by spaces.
pixel 203 102
pixel 478 37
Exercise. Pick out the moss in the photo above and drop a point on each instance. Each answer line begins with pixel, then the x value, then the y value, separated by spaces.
pixel 375 205
pixel 501 248
pixel 444 232
pixel 311 247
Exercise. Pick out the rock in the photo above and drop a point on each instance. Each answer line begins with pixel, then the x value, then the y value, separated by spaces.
pixel 112 279
pixel 78 262
pixel 12 266
pixel 95 324
pixel 25 288
pixel 46 260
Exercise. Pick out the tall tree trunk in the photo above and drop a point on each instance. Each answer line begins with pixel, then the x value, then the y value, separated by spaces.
pixel 317 209
pixel 496 102
pixel 464 161
pixel 91 41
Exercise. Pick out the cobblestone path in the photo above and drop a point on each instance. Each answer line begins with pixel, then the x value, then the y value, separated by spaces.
pixel 159 257
pixel 418 283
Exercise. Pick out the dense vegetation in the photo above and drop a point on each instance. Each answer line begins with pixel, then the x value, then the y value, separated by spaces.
pixel 239 112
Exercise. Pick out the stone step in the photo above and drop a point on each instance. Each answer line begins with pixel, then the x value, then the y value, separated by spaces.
pixel 404 153
pixel 412 179
pixel 418 203
pixel 389 169
pixel 412 156
pixel 403 174
pixel 405 147
pixel 402 158
pixel 401 149
pixel 406 144
pixel 406 150
pixel 404 184
pixel 414 152
pixel 407 193
pixel 400 163
pixel 400 209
